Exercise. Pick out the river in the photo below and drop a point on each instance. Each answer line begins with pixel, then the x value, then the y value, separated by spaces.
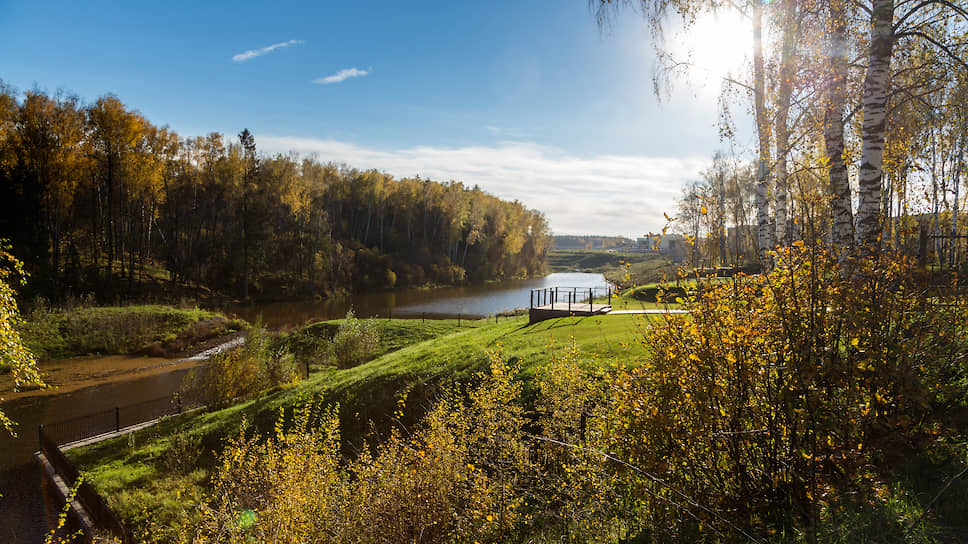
pixel 473 300
pixel 21 504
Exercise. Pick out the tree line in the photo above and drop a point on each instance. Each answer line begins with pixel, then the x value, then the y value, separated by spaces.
pixel 97 198
pixel 860 117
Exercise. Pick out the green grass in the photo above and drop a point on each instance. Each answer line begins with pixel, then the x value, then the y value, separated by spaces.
pixel 645 266
pixel 394 334
pixel 419 357
pixel 57 334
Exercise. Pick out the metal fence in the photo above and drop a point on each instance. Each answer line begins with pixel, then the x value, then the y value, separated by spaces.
pixel 566 297
pixel 118 418
pixel 101 515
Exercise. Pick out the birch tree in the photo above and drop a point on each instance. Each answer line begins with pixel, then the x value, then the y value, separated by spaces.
pixel 841 216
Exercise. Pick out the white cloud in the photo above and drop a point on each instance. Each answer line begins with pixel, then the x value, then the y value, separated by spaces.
pixel 342 75
pixel 507 133
pixel 602 194
pixel 252 53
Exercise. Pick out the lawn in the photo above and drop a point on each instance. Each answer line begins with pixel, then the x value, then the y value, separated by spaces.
pixel 153 470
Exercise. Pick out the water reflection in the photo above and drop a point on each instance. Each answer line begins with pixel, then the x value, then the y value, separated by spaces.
pixel 473 300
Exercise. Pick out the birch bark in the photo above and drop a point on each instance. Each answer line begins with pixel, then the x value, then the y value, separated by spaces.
pixel 763 227
pixel 841 216
pixel 788 73
pixel 874 128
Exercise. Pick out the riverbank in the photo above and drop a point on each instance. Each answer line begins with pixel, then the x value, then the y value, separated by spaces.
pixel 151 473
pixel 154 330
pixel 75 373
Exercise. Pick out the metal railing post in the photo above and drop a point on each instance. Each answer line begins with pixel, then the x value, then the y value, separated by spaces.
pixel 591 301
pixel 117 419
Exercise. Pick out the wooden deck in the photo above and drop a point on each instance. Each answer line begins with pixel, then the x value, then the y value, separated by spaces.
pixel 563 309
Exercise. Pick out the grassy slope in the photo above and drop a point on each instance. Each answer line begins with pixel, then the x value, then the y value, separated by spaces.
pixel 119 329
pixel 135 471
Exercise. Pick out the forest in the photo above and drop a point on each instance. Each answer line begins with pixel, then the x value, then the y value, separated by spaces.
pixel 859 129
pixel 97 199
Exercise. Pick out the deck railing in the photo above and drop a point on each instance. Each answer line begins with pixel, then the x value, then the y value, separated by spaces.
pixel 568 298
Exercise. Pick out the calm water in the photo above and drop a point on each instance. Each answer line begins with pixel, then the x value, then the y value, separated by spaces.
pixel 22 507
pixel 475 300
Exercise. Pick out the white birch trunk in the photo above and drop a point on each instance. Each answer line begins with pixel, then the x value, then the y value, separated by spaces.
pixel 959 165
pixel 875 123
pixel 763 226
pixel 788 73
pixel 838 186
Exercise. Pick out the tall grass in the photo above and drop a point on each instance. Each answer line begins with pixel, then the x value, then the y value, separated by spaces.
pixel 59 333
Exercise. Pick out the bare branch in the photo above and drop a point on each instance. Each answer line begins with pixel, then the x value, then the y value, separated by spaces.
pixel 936 43
pixel 926 3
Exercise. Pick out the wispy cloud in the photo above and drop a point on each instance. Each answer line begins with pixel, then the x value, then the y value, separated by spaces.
pixel 599 194
pixel 511 133
pixel 342 75
pixel 253 53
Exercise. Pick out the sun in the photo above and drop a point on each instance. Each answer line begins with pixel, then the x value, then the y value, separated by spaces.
pixel 714 47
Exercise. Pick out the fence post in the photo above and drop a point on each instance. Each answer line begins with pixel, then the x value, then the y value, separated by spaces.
pixel 117 419
pixel 591 301
pixel 40 435
pixel 423 316
pixel 458 320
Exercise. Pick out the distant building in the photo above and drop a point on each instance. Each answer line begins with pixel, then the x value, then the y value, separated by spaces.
pixel 670 244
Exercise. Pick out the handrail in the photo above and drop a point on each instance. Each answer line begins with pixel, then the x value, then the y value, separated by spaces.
pixel 104 518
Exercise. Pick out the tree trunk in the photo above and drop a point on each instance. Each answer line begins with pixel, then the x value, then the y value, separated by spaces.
pixel 959 165
pixel 841 216
pixel 875 123
pixel 764 231
pixel 788 72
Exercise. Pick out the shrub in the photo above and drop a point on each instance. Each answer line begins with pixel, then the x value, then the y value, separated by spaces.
pixel 242 372
pixel 355 341
pixel 763 410
pixel 459 477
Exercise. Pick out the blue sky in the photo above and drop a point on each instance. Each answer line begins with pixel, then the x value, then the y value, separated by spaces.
pixel 529 99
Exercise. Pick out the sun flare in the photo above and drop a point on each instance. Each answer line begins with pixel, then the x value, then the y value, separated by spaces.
pixel 715 47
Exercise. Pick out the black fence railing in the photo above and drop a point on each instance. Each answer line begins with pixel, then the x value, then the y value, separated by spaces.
pixel 566 298
pixel 459 316
pixel 118 418
pixel 103 518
